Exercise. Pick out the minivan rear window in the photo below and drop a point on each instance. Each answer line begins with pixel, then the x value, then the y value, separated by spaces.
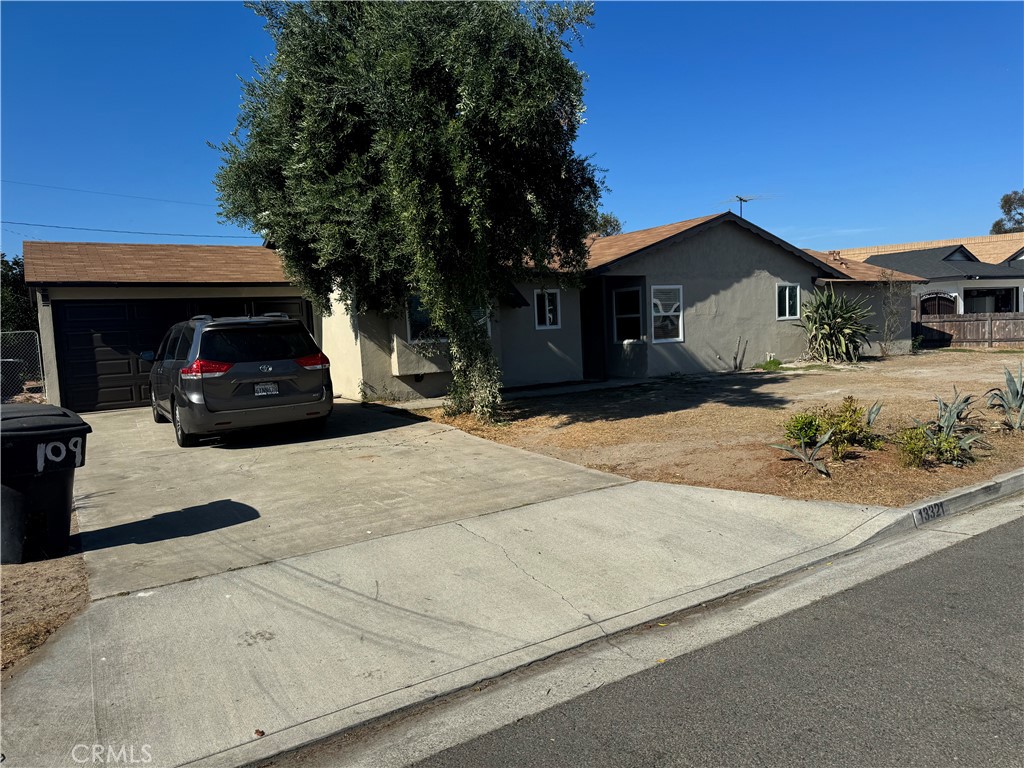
pixel 250 345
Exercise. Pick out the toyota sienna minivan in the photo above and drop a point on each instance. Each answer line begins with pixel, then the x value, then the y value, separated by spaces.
pixel 211 376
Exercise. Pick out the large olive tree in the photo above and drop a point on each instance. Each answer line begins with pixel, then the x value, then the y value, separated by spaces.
pixel 391 149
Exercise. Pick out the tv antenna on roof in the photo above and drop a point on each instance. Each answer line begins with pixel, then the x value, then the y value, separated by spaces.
pixel 741 199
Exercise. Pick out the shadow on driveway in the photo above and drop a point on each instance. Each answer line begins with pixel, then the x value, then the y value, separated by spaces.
pixel 347 420
pixel 189 521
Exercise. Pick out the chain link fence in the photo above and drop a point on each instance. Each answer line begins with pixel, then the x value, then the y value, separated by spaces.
pixel 21 368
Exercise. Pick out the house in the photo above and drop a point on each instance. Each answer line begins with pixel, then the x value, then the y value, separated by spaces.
pixel 968 276
pixel 102 304
pixel 699 295
pixel 688 297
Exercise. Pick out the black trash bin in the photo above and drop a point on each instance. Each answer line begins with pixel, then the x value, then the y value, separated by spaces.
pixel 40 448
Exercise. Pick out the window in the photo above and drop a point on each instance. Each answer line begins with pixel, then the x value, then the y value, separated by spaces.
pixel 188 333
pixel 667 313
pixel 420 328
pixel 629 321
pixel 172 343
pixel 787 305
pixel 548 307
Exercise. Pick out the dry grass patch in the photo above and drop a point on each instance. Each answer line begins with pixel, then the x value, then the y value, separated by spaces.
pixel 715 430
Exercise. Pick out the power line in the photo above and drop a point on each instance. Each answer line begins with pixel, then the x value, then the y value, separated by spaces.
pixel 108 194
pixel 132 232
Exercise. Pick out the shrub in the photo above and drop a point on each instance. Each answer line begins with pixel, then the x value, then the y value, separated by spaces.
pixel 836 326
pixel 949 438
pixel 802 428
pixel 770 365
pixel 850 425
pixel 915 446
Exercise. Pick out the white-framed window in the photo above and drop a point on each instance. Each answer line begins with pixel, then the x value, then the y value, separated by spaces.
pixel 787 301
pixel 629 318
pixel 666 313
pixel 547 304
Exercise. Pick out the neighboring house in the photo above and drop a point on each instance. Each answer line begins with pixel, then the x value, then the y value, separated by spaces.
pixel 683 297
pixel 102 304
pixel 973 275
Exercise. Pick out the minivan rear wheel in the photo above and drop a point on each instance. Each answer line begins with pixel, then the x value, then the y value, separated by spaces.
pixel 185 440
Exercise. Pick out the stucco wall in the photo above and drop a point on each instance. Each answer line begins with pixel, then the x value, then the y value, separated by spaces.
pixel 531 355
pixel 340 332
pixel 729 277
pixel 874 296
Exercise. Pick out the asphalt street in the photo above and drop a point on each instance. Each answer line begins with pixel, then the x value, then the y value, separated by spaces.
pixel 923 666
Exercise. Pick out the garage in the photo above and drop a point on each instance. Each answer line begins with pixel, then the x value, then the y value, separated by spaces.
pixel 103 304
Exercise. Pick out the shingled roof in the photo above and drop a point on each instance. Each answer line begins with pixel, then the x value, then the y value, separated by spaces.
pixel 50 263
pixel 607 250
pixel 991 249
pixel 862 272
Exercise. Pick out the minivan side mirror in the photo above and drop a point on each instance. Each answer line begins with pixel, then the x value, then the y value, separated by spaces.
pixel 149 356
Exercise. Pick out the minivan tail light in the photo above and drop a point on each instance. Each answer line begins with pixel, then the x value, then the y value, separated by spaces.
pixel 315 362
pixel 205 369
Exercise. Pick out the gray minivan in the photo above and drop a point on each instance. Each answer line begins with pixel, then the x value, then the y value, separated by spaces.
pixel 211 376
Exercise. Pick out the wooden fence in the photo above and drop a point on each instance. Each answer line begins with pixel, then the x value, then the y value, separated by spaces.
pixel 989 329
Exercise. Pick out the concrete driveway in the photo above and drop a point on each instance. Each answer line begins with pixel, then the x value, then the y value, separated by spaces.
pixel 151 513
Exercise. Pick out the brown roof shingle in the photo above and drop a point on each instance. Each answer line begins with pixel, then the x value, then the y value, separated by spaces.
pixel 50 263
pixel 991 249
pixel 604 250
pixel 860 271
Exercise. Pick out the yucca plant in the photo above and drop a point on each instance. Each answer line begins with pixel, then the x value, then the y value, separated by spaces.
pixel 809 456
pixel 1010 399
pixel 836 326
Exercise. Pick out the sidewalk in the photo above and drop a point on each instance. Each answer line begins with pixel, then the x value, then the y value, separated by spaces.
pixel 304 647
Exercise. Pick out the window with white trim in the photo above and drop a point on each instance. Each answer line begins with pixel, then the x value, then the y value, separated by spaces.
pixel 666 313
pixel 629 319
pixel 787 301
pixel 548 306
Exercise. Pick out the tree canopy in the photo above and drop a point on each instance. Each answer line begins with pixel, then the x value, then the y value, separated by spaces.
pixel 608 224
pixel 1012 205
pixel 16 307
pixel 392 149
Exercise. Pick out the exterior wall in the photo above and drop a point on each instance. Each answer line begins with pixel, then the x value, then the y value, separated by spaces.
pixel 530 355
pixel 373 358
pixel 874 296
pixel 729 277
pixel 340 342
pixel 47 341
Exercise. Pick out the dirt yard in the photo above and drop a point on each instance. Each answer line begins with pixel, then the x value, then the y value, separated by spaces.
pixel 36 599
pixel 715 430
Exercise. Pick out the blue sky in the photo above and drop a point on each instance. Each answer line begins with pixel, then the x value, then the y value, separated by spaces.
pixel 859 123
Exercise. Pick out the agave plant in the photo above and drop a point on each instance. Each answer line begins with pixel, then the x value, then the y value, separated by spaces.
pixel 836 326
pixel 1010 399
pixel 955 428
pixel 808 455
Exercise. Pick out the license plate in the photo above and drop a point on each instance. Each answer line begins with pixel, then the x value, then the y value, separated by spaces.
pixel 267 388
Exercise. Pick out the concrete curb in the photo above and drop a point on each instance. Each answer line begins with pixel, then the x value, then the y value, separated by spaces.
pixel 887 523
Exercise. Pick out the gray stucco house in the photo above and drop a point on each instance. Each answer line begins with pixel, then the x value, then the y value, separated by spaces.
pixel 674 298
pixel 678 298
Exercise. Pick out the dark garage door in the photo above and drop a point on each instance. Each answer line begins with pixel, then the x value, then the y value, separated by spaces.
pixel 99 343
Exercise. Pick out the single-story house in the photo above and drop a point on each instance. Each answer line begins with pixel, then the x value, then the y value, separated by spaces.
pixel 968 276
pixel 683 297
pixel 102 304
